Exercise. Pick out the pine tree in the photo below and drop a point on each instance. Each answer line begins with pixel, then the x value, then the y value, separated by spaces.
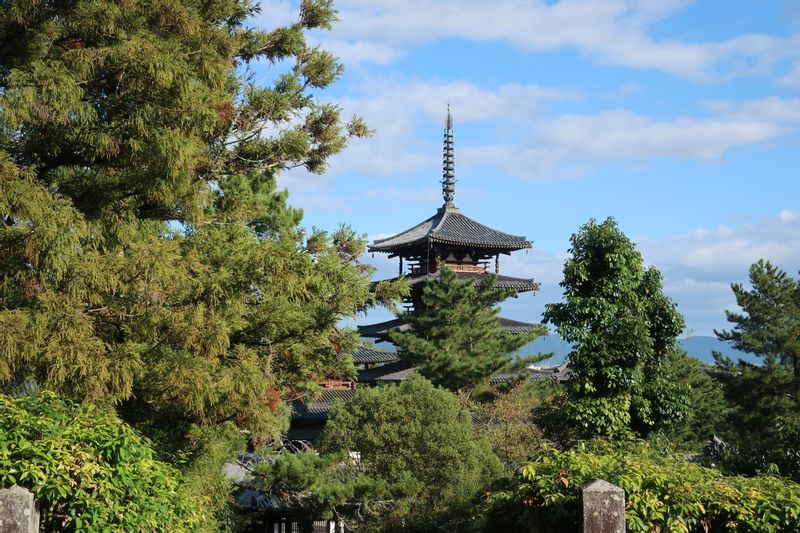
pixel 770 324
pixel 147 261
pixel 624 332
pixel 456 339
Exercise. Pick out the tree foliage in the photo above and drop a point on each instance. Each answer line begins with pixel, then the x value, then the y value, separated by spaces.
pixel 146 255
pixel 663 491
pixel 456 337
pixel 769 325
pixel 417 443
pixel 763 423
pixel 147 260
pixel 90 471
pixel 624 331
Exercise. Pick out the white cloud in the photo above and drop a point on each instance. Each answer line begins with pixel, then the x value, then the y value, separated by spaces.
pixel 726 252
pixel 613 32
pixel 395 108
pixel 699 266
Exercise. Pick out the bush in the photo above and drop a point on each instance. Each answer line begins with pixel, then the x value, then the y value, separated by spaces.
pixel 664 492
pixel 89 470
pixel 418 444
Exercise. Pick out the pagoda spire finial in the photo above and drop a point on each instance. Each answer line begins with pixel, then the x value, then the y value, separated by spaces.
pixel 448 170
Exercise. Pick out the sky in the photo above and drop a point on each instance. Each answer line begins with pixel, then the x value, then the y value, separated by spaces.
pixel 680 119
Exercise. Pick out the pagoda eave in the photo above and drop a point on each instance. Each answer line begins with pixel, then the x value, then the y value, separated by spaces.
pixel 381 330
pixel 503 282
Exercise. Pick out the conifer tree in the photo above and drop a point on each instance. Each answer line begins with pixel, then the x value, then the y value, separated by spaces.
pixel 770 324
pixel 147 260
pixel 624 332
pixel 456 338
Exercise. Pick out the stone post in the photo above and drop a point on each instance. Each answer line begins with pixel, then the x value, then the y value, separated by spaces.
pixel 603 507
pixel 18 512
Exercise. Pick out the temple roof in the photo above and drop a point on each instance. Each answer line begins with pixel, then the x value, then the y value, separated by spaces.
pixel 449 226
pixel 381 329
pixel 364 355
pixel 503 282
pixel 397 371
pixel 560 373
pixel 319 407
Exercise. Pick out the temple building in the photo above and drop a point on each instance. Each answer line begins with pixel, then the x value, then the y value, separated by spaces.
pixel 468 248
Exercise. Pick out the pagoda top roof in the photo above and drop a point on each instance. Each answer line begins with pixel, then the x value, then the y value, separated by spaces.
pixel 449 226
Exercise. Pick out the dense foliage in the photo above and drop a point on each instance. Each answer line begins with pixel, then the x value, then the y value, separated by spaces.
pixel 89 470
pixel 663 492
pixel 509 421
pixel 416 442
pixel 147 260
pixel 624 331
pixel 456 340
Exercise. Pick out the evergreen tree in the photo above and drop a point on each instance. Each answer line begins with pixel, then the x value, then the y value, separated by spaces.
pixel 770 324
pixel 764 419
pixel 624 331
pixel 456 339
pixel 146 259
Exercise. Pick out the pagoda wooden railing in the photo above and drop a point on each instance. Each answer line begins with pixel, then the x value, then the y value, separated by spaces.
pixel 457 267
pixel 335 384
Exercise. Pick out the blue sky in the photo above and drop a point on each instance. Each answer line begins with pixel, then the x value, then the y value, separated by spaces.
pixel 678 118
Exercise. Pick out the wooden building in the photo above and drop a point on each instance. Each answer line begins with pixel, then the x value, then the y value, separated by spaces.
pixel 449 237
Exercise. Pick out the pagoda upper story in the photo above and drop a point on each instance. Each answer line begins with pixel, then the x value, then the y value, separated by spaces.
pixel 451 238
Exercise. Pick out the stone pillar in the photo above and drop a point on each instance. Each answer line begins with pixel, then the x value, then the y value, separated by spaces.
pixel 603 507
pixel 18 512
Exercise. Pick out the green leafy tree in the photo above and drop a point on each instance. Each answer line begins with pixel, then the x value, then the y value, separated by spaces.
pixel 90 471
pixel 147 260
pixel 624 332
pixel 769 325
pixel 418 444
pixel 456 339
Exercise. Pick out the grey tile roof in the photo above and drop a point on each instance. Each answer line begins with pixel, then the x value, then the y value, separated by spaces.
pixel 364 355
pixel 318 408
pixel 558 373
pixel 381 329
pixel 504 282
pixel 449 226
pixel 396 371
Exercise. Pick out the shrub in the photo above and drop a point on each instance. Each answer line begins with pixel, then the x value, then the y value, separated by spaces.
pixel 89 470
pixel 418 444
pixel 664 492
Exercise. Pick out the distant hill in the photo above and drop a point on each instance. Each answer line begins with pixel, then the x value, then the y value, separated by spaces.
pixel 701 347
pixel 697 346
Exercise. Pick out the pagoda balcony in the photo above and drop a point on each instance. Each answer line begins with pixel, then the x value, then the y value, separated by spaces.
pixel 467 268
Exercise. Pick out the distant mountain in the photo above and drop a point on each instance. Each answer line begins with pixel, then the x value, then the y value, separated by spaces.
pixel 697 346
pixel 701 347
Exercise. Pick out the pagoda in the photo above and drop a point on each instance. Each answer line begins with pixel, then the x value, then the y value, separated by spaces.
pixel 465 246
